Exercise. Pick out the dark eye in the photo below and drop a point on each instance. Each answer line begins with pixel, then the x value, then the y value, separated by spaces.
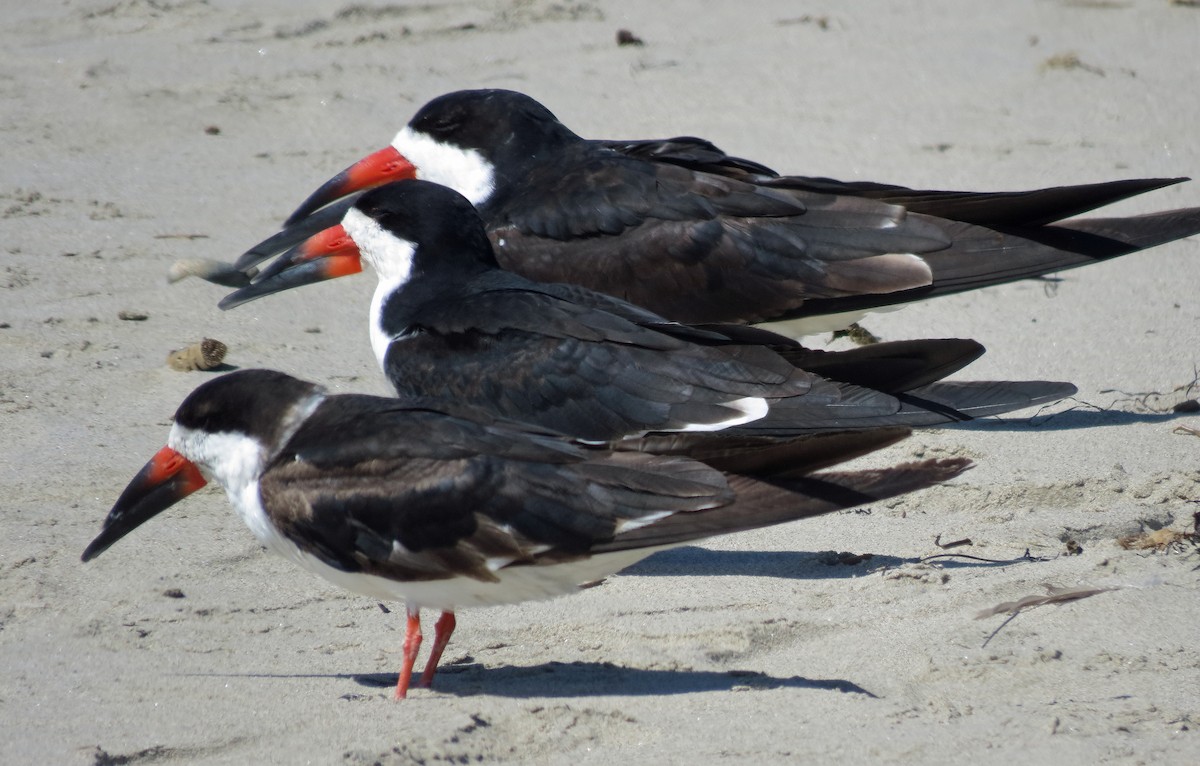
pixel 446 125
pixel 447 121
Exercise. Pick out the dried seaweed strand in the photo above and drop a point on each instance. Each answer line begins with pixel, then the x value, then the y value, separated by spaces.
pixel 1025 557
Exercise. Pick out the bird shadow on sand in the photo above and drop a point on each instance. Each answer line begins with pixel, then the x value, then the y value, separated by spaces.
pixel 597 679
pixel 1075 419
pixel 690 560
pixel 468 678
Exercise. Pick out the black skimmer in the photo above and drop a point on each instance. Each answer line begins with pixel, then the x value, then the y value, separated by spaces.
pixel 446 320
pixel 683 229
pixel 444 507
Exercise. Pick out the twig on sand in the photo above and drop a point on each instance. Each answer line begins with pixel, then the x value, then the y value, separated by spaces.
pixel 956 544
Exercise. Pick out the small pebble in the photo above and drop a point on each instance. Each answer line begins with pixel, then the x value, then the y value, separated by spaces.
pixel 133 316
pixel 625 37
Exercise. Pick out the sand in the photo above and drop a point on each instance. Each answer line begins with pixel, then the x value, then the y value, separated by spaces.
pixel 140 132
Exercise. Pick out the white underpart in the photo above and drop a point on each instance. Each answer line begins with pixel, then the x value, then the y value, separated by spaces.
pixel 463 170
pixel 516 584
pixel 750 408
pixel 823 323
pixel 628 525
pixel 904 271
pixel 392 259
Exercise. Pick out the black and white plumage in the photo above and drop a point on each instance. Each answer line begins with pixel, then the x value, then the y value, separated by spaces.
pixel 444 506
pixel 693 234
pixel 446 320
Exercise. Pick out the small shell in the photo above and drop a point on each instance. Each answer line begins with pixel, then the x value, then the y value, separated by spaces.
pixel 217 272
pixel 1160 540
pixel 204 355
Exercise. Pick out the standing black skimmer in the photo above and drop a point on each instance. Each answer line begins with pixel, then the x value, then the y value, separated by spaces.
pixel 446 320
pixel 443 507
pixel 683 229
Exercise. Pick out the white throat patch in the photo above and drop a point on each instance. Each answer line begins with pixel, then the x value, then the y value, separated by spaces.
pixel 236 461
pixel 463 170
pixel 389 255
pixel 392 259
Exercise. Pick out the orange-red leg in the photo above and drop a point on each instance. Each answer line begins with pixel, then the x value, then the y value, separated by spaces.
pixel 412 644
pixel 441 636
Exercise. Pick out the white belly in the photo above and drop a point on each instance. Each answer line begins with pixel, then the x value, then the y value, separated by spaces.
pixel 517 583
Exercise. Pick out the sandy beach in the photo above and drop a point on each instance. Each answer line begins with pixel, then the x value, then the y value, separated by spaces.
pixel 141 132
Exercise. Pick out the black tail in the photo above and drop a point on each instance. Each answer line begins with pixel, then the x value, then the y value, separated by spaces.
pixel 1035 207
pixel 932 405
pixel 980 257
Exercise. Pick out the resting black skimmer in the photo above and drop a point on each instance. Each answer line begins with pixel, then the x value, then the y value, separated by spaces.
pixel 441 506
pixel 681 228
pixel 446 320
